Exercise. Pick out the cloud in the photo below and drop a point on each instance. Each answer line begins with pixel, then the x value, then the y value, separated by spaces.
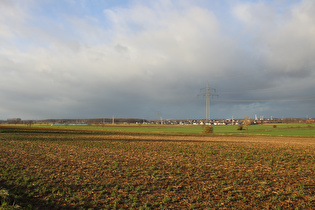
pixel 286 42
pixel 135 60
pixel 292 46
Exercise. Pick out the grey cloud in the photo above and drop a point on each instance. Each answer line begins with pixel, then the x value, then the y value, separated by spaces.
pixel 121 48
pixel 287 48
pixel 155 59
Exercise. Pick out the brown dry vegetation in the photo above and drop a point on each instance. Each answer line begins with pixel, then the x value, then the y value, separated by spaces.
pixel 64 169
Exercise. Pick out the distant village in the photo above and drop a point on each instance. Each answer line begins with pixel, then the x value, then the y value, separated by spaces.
pixel 108 121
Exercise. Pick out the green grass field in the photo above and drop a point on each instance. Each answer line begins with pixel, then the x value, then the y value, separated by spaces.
pixel 305 130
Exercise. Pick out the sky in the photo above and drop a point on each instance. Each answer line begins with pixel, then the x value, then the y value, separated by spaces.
pixel 149 59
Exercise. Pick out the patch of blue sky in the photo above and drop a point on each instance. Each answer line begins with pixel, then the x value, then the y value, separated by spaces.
pixel 281 6
pixel 92 11
pixel 57 19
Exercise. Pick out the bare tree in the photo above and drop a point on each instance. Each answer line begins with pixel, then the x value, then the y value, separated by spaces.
pixel 15 121
pixel 247 121
pixel 29 123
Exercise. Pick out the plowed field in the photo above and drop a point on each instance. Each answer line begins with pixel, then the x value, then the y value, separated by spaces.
pixel 64 169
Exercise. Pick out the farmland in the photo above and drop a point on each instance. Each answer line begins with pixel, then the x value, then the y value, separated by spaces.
pixel 140 167
pixel 268 129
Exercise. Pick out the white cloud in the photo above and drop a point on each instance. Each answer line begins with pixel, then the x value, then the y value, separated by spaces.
pixel 291 48
pixel 285 42
pixel 148 56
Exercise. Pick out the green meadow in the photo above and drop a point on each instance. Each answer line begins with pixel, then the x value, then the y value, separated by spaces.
pixel 305 130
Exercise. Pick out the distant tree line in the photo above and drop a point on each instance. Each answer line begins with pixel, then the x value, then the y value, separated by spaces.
pixel 14 121
pixel 93 121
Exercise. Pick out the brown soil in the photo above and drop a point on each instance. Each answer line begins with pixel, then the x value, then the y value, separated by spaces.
pixel 76 169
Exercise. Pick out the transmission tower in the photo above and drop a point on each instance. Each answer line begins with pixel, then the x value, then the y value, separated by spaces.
pixel 208 94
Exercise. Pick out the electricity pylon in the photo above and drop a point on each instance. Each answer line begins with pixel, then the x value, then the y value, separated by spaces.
pixel 208 94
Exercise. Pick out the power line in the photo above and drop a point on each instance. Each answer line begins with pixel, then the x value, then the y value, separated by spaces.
pixel 306 98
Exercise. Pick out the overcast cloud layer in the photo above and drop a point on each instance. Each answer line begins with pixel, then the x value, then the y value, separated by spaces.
pixel 94 59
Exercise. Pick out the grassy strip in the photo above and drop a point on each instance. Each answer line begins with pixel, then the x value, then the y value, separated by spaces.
pixel 306 130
